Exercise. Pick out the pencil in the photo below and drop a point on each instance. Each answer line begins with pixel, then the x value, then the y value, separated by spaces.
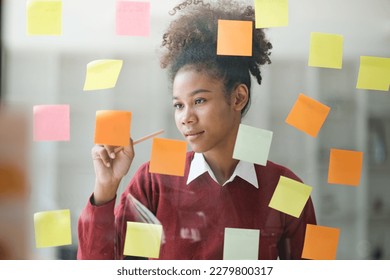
pixel 146 137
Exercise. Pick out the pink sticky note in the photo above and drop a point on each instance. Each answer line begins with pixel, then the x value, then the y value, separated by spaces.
pixel 132 18
pixel 51 123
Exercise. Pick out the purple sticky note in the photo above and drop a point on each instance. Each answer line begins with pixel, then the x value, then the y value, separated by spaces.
pixel 51 123
pixel 132 18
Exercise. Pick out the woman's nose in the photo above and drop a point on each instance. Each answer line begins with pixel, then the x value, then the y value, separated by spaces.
pixel 188 116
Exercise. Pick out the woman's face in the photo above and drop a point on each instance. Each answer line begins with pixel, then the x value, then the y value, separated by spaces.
pixel 205 117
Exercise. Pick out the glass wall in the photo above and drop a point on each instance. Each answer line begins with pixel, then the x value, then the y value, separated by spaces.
pixel 53 175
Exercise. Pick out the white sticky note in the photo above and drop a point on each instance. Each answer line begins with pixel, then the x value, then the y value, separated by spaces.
pixel 252 144
pixel 241 244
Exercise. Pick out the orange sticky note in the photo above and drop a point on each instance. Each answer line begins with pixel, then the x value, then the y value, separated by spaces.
pixel 320 243
pixel 345 167
pixel 234 37
pixel 13 180
pixel 168 156
pixel 112 128
pixel 308 115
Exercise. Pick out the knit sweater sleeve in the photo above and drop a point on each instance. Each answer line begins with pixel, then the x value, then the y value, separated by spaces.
pixel 96 232
pixel 102 229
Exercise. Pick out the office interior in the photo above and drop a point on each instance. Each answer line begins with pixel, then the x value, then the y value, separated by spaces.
pixel 39 70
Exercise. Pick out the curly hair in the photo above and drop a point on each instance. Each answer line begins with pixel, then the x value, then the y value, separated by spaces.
pixel 191 40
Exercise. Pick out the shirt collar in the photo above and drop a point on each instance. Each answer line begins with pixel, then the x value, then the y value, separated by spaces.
pixel 244 170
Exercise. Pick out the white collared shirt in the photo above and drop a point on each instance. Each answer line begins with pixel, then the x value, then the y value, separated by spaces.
pixel 244 170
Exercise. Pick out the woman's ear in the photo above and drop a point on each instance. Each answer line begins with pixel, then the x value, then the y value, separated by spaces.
pixel 240 97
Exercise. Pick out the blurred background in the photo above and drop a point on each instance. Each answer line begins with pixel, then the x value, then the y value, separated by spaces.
pixel 38 70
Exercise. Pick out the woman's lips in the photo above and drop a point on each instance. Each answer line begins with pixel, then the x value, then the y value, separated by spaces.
pixel 192 134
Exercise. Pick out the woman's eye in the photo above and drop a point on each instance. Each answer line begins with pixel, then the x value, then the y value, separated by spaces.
pixel 199 100
pixel 177 106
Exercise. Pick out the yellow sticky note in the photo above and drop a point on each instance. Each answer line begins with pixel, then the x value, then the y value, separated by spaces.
pixel 234 37
pixel 44 17
pixel 252 144
pixel 290 196
pixel 142 240
pixel 168 156
pixel 271 13
pixel 112 127
pixel 320 243
pixel 102 74
pixel 52 228
pixel 326 50
pixel 374 73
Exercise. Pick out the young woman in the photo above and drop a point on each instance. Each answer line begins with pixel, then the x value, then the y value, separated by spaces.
pixel 211 94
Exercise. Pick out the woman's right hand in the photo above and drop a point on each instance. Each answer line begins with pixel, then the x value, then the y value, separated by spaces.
pixel 110 168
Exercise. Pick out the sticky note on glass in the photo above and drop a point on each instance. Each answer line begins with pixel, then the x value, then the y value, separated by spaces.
pixel 308 115
pixel 374 73
pixel 168 156
pixel 52 228
pixel 252 144
pixel 13 180
pixel 102 74
pixel 234 37
pixel 112 127
pixel 241 244
pixel 44 17
pixel 345 167
pixel 51 123
pixel 290 196
pixel 320 243
pixel 271 13
pixel 142 240
pixel 132 18
pixel 326 50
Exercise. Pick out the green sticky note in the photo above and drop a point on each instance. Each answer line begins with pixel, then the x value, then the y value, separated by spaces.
pixel 252 144
pixel 44 17
pixel 241 244
pixel 143 240
pixel 102 74
pixel 271 13
pixel 374 73
pixel 52 228
pixel 290 196
pixel 326 50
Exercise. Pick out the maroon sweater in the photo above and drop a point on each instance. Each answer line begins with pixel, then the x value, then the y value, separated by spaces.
pixel 195 216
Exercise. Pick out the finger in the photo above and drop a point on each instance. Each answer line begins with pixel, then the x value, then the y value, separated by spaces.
pixel 129 150
pixel 110 151
pixel 95 151
pixel 100 153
